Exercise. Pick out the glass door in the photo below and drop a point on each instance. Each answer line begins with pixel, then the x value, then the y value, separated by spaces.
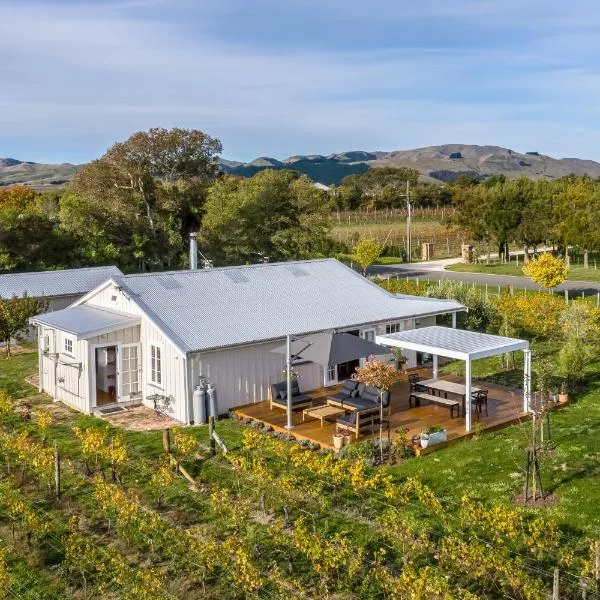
pixel 129 374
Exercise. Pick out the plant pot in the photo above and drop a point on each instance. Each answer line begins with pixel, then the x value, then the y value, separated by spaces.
pixel 338 441
pixel 430 439
pixel 347 439
pixel 563 398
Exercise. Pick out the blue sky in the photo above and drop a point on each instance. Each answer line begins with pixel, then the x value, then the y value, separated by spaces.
pixel 276 77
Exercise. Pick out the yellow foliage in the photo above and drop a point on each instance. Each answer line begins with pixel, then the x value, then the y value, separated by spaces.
pixel 184 444
pixel 535 313
pixel 546 270
pixel 42 418
pixel 366 252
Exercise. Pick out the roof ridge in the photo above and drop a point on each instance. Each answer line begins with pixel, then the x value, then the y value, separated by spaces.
pixel 228 268
pixel 48 271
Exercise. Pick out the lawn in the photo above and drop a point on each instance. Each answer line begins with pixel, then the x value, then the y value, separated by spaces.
pixel 249 494
pixel 576 272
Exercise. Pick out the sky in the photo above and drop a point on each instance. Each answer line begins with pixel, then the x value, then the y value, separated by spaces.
pixel 284 77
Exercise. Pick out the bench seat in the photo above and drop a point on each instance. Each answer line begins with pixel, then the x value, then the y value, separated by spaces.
pixel 451 404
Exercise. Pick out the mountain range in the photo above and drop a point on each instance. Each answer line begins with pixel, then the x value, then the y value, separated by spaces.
pixel 439 164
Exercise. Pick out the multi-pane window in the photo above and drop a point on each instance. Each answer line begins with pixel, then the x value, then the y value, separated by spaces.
pixel 129 370
pixel 155 365
pixel 392 328
pixel 68 345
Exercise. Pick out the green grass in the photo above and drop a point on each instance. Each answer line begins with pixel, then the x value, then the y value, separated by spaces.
pixel 576 272
pixel 382 260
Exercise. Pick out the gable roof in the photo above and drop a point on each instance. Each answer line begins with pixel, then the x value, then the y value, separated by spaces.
pixel 85 322
pixel 210 309
pixel 43 284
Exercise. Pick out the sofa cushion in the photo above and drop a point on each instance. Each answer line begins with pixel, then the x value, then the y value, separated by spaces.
pixel 348 419
pixel 349 386
pixel 371 396
pixel 361 403
pixel 299 399
pixel 355 393
pixel 282 394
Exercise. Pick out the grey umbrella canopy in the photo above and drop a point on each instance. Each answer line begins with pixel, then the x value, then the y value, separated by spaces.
pixel 332 348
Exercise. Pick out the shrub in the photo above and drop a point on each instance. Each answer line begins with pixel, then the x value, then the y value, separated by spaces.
pixel 546 270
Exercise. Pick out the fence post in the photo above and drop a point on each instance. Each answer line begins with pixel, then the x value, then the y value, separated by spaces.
pixel 597 563
pixel 556 585
pixel 567 296
pixel 167 441
pixel 56 470
pixel 211 430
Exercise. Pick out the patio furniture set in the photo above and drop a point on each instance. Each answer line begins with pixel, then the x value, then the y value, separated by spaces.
pixel 425 389
pixel 354 407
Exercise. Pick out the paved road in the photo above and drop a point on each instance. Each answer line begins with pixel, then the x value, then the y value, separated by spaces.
pixel 435 272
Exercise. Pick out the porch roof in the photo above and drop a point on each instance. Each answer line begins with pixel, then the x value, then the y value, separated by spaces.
pixel 85 322
pixel 452 343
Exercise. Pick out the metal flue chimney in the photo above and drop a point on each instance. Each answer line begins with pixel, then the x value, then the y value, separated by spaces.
pixel 193 251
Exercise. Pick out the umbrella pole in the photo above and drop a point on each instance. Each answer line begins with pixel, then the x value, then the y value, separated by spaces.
pixel 288 362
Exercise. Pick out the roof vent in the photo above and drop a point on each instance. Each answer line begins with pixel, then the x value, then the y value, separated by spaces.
pixel 236 276
pixel 296 271
pixel 169 283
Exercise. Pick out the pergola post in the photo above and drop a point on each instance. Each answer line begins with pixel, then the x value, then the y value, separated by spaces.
pixel 288 364
pixel 526 380
pixel 453 320
pixel 435 366
pixel 468 415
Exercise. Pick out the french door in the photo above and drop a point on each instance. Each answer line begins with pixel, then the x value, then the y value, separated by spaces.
pixel 129 373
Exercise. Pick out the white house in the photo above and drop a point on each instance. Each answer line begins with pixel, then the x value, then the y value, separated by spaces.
pixel 58 289
pixel 141 337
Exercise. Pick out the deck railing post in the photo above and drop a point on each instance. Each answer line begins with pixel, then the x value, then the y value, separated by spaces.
pixel 288 363
pixel 526 380
pixel 468 415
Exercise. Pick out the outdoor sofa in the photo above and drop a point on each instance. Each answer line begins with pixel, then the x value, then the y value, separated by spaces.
pixel 279 396
pixel 363 403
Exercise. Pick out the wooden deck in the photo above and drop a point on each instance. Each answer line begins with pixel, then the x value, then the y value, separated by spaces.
pixel 504 407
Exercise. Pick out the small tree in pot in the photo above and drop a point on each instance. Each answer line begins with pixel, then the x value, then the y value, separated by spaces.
pixel 382 375
pixel 399 358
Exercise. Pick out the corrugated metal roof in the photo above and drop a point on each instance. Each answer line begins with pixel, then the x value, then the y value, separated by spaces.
pixel 85 322
pixel 55 283
pixel 454 343
pixel 215 308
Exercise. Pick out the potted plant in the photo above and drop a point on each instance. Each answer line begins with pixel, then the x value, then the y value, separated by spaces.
pixel 338 441
pixel 563 396
pixel 400 359
pixel 434 434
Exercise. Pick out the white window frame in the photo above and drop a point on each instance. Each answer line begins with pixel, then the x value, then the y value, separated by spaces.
pixel 155 353
pixel 69 341
pixel 393 328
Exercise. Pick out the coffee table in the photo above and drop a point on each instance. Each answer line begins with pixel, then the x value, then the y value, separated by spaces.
pixel 322 413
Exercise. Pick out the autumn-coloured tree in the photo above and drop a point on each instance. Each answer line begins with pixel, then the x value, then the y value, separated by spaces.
pixel 546 270
pixel 382 375
pixel 366 252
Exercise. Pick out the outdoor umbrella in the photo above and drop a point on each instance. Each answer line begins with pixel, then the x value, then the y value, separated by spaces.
pixel 326 349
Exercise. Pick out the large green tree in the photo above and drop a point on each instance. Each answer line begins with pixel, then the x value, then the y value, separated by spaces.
pixel 279 214
pixel 136 203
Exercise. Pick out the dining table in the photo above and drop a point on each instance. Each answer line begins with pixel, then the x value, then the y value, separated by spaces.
pixel 443 386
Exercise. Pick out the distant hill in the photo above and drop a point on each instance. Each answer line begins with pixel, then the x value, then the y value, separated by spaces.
pixel 39 176
pixel 435 163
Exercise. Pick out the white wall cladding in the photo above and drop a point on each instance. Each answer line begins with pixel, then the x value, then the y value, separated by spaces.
pixel 173 384
pixel 243 375
pixel 63 376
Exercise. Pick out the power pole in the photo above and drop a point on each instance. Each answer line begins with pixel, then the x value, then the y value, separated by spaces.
pixel 408 223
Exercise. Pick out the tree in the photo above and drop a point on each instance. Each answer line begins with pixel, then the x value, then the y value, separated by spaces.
pixel 14 317
pixel 547 270
pixel 137 203
pixel 383 187
pixel 382 375
pixel 276 214
pixel 366 252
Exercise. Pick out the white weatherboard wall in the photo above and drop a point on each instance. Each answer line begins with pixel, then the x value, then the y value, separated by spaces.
pixel 243 374
pixel 173 361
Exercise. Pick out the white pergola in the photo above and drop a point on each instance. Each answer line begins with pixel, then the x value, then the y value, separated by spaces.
pixel 461 345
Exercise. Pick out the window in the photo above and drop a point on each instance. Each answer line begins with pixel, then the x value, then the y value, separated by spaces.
pixel 392 328
pixel 155 365
pixel 68 345
pixel 332 373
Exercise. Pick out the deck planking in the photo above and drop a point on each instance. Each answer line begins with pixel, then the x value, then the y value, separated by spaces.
pixel 505 407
